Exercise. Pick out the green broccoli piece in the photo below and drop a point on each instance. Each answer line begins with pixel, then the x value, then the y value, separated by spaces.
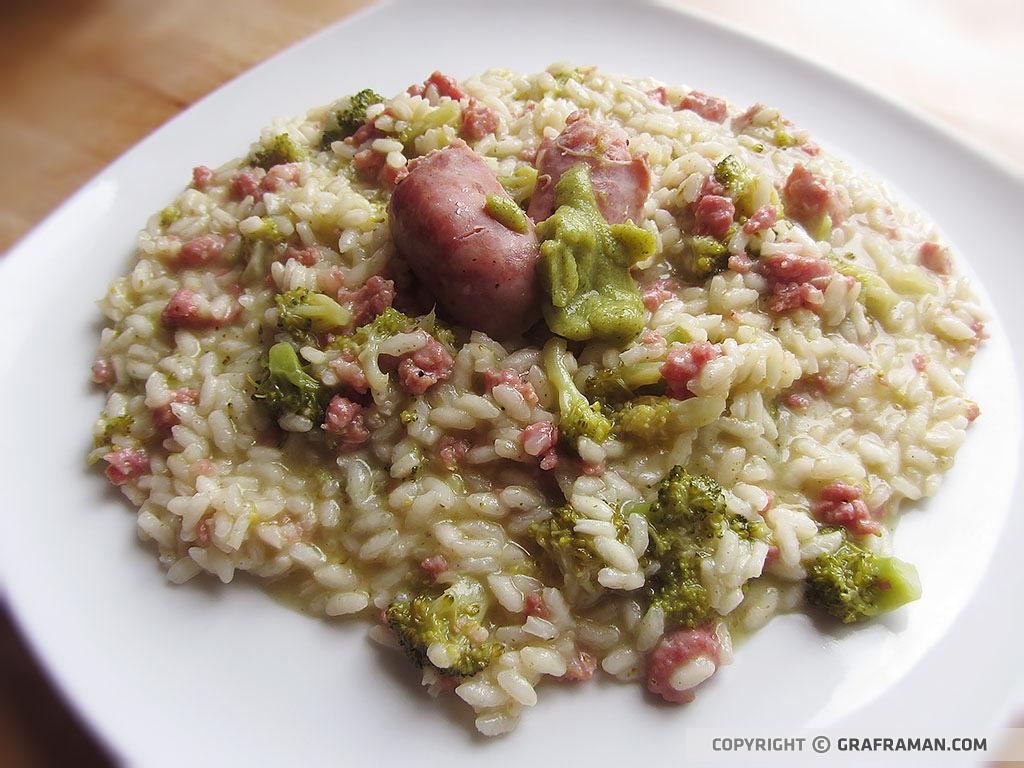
pixel 739 182
pixel 268 232
pixel 365 343
pixel 282 149
pixel 584 266
pixel 646 419
pixel 287 388
pixel 303 313
pixel 107 428
pixel 342 123
pixel 853 584
pixel 614 386
pixel 875 294
pixel 689 505
pixel 732 173
pixel 685 522
pixel 446 631
pixel 678 591
pixel 704 257
pixel 578 416
pixel 448 113
pixel 388 323
pixel 169 215
pixel 570 551
pixel 573 553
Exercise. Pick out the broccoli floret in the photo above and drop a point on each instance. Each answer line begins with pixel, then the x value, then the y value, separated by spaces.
pixel 385 325
pixel 287 388
pixel 448 113
pixel 646 419
pixel 705 257
pixel 438 330
pixel 303 313
pixel 739 182
pixel 169 215
pixel 570 551
pixel 365 343
pixel 732 173
pixel 574 553
pixel 584 266
pixel 344 122
pixel 875 294
pixel 107 428
pixel 691 505
pixel 614 386
pixel 578 416
pixel 268 232
pixel 446 631
pixel 282 149
pixel 685 522
pixel 853 584
pixel 678 591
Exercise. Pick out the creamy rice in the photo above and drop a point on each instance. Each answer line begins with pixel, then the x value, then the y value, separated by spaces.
pixel 855 381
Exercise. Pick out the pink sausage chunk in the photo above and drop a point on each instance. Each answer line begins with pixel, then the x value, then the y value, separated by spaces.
pixel 483 274
pixel 621 182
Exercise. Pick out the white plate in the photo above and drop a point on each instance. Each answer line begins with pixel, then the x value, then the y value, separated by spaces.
pixel 205 674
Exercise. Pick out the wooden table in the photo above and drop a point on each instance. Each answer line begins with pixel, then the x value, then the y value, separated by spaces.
pixel 86 80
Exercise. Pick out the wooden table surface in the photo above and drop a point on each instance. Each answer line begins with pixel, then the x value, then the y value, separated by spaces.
pixel 86 79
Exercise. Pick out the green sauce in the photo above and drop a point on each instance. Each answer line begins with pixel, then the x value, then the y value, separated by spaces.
pixel 584 266
pixel 505 211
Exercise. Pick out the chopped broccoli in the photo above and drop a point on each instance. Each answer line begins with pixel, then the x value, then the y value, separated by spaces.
pixel 283 149
pixel 646 419
pixel 385 325
pixel 366 341
pixel 448 113
pixel 446 631
pixel 584 266
pixel 678 591
pixel 572 552
pixel 853 584
pixel 169 215
pixel 268 231
pixel 783 138
pixel 685 521
pixel 704 256
pixel 876 295
pixel 578 416
pixel 739 181
pixel 438 329
pixel 342 123
pixel 732 173
pixel 107 427
pixel 614 386
pixel 288 389
pixel 303 313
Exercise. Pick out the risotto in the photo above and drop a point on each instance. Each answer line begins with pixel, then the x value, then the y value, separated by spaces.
pixel 542 376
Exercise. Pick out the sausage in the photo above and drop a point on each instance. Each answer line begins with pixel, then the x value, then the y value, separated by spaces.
pixel 681 661
pixel 808 197
pixel 621 182
pixel 483 274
